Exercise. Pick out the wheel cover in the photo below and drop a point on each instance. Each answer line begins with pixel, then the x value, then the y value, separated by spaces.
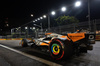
pixel 55 48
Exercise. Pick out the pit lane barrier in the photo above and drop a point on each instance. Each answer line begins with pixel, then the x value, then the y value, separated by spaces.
pixel 97 38
pixel 15 39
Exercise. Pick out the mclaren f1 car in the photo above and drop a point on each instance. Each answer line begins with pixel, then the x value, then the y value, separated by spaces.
pixel 63 46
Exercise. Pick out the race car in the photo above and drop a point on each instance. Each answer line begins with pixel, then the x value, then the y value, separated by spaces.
pixel 63 46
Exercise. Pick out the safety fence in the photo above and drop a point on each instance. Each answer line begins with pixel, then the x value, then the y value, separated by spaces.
pixel 61 29
pixel 97 38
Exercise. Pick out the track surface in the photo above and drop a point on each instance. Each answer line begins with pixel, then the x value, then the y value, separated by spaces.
pixel 11 58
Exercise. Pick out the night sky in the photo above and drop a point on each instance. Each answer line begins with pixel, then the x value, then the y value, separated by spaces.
pixel 17 12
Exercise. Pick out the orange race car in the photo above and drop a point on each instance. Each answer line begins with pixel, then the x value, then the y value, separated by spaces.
pixel 63 46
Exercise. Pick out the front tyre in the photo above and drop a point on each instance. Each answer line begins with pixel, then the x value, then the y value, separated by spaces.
pixel 24 43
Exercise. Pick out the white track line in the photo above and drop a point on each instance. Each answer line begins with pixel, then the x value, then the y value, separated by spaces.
pixel 32 57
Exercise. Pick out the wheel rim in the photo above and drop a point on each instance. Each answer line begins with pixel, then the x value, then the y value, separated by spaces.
pixel 55 48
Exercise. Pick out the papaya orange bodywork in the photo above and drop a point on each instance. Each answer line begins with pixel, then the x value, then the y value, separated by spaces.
pixel 48 33
pixel 65 37
pixel 76 36
pixel 43 44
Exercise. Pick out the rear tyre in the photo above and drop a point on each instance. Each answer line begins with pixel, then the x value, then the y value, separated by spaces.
pixel 24 43
pixel 60 49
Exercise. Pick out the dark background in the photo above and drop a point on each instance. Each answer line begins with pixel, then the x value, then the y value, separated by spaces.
pixel 17 12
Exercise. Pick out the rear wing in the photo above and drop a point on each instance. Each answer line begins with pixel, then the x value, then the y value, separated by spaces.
pixel 76 36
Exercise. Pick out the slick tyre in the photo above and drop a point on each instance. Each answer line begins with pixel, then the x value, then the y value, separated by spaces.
pixel 24 43
pixel 60 49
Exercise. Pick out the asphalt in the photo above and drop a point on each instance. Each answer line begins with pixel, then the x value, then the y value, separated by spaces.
pixel 9 58
pixel 3 62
